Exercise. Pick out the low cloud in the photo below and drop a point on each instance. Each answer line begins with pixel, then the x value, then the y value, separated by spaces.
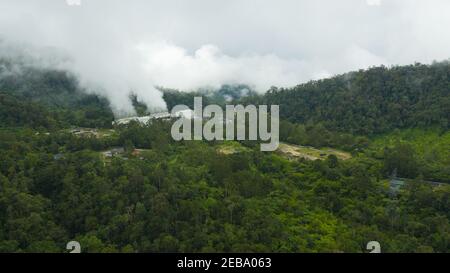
pixel 116 47
pixel 373 2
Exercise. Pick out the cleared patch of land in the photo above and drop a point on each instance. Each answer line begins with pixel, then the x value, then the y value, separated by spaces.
pixel 288 151
pixel 119 152
pixel 231 147
pixel 291 151
pixel 91 132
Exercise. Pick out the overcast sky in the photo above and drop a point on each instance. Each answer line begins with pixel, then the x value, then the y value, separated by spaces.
pixel 137 44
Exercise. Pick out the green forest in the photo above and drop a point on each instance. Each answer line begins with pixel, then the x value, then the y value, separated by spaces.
pixel 131 188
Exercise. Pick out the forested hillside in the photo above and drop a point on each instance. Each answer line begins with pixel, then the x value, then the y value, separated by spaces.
pixel 131 188
pixel 376 100
pixel 227 94
pixel 190 197
pixel 48 98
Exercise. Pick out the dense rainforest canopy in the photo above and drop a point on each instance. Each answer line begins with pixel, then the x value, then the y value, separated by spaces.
pixel 371 101
pixel 157 195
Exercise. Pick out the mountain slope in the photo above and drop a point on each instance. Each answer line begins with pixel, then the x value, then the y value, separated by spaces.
pixel 371 101
pixel 44 97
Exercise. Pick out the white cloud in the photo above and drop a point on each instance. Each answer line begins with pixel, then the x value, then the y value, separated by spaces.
pixel 373 2
pixel 123 45
pixel 170 65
